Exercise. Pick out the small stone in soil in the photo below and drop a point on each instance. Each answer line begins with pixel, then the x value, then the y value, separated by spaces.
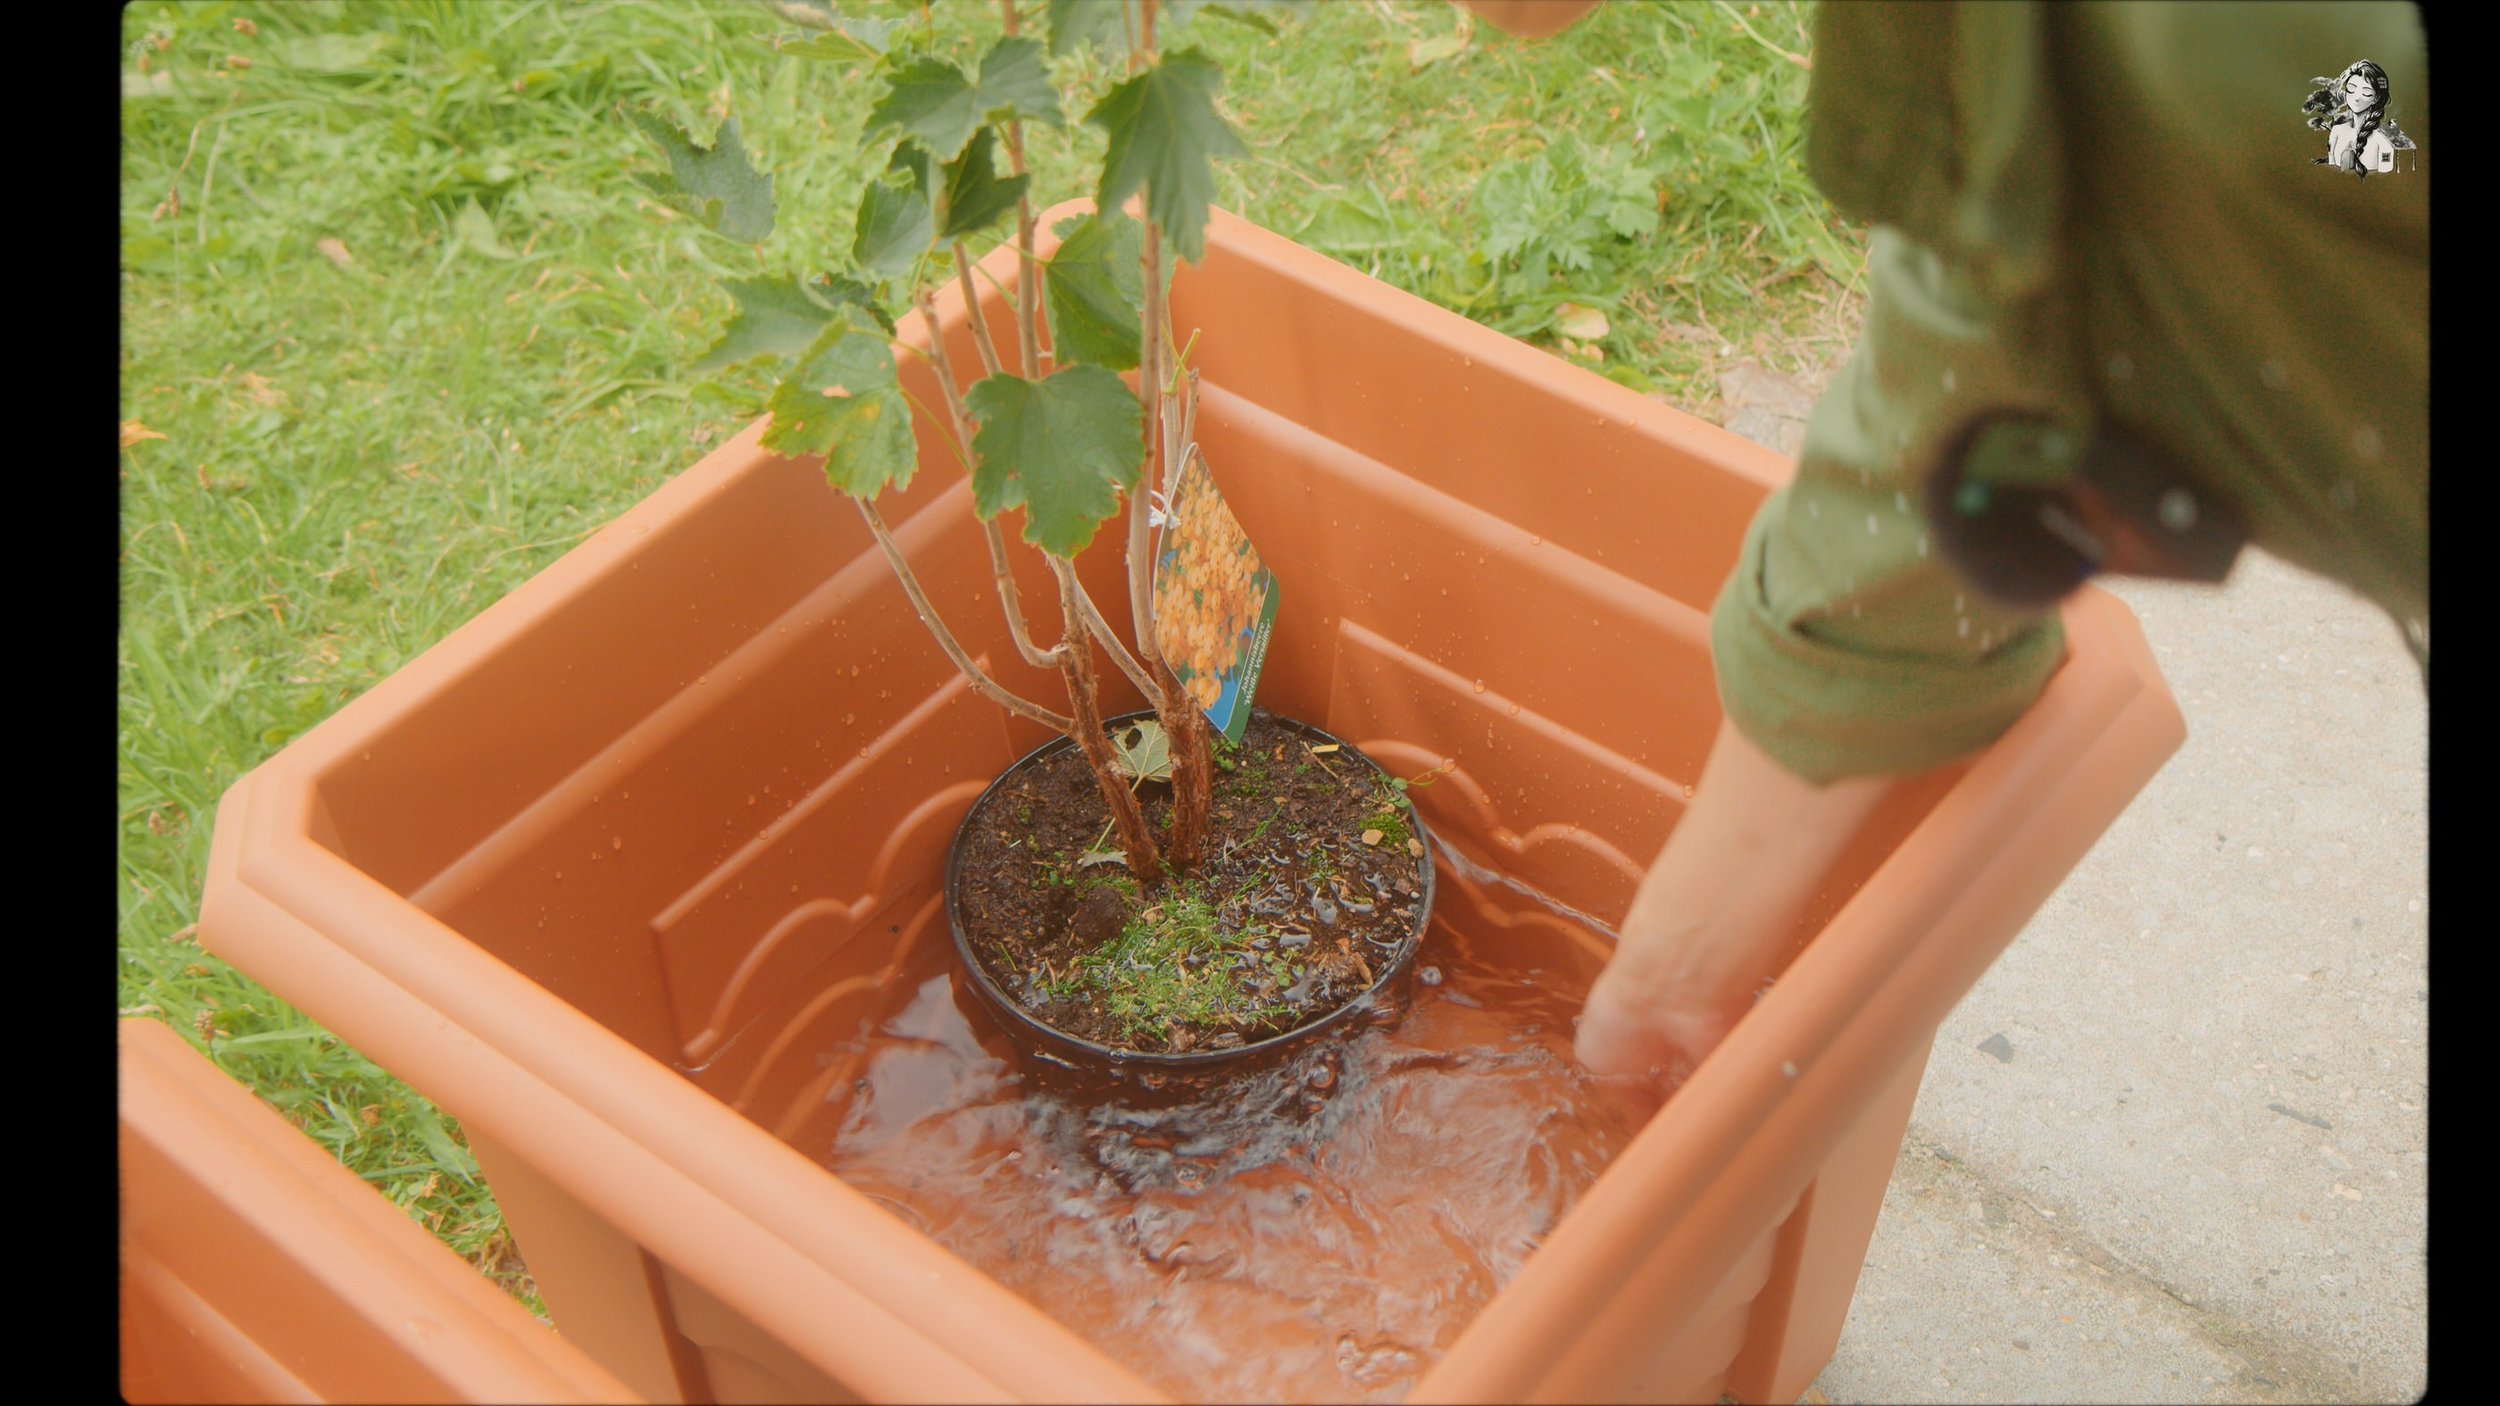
pixel 1371 837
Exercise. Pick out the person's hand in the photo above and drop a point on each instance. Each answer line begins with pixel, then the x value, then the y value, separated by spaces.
pixel 1668 996
pixel 1640 1024
pixel 1710 922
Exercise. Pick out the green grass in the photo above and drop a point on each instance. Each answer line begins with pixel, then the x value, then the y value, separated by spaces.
pixel 360 452
pixel 1174 962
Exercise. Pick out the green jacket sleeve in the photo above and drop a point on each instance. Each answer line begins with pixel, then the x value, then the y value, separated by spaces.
pixel 1844 644
pixel 2093 214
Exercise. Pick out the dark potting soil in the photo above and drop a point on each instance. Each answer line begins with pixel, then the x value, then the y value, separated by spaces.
pixel 1312 880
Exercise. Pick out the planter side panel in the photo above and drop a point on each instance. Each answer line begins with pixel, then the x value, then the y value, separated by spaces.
pixel 532 691
pixel 1376 542
pixel 255 1268
pixel 728 847
pixel 1796 1321
pixel 1552 450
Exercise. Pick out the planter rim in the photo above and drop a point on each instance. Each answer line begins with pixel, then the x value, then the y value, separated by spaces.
pixel 1045 1041
pixel 439 1009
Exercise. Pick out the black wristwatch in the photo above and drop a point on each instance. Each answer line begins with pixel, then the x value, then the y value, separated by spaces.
pixel 2028 510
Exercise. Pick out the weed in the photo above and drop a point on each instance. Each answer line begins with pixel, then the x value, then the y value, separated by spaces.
pixel 1391 823
pixel 1175 962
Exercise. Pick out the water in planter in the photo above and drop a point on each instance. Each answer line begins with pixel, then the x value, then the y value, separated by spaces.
pixel 1322 1230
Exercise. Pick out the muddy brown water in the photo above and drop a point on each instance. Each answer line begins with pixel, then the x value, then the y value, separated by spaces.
pixel 1321 1230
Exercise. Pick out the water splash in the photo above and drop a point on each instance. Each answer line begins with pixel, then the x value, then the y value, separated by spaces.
pixel 1445 853
pixel 1323 1229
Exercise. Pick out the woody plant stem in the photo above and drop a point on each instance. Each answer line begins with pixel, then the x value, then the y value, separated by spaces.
pixel 1192 757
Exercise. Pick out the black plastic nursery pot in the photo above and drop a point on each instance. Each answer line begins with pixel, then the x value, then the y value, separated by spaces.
pixel 1065 1060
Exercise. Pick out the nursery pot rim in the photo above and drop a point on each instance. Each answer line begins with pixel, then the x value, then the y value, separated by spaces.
pixel 1040 1039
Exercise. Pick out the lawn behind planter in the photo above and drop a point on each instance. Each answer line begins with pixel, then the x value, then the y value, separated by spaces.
pixel 399 329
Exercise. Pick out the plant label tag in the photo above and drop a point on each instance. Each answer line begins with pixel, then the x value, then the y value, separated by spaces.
pixel 1215 601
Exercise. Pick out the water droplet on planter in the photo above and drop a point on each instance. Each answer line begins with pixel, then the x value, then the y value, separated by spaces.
pixel 616 842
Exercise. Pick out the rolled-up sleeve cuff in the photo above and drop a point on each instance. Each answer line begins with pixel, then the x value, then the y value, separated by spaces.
pixel 1827 711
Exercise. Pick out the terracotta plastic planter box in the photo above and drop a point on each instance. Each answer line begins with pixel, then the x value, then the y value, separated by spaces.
pixel 255 1268
pixel 602 870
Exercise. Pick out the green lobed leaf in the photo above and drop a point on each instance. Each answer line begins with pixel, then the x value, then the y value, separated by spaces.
pixel 1073 24
pixel 935 104
pixel 932 102
pixel 1015 85
pixel 1165 134
pixel 838 291
pixel 915 162
pixel 976 197
pixel 1060 448
pixel 843 402
pixel 1094 289
pixel 894 228
pixel 775 318
pixel 849 38
pixel 781 317
pixel 716 184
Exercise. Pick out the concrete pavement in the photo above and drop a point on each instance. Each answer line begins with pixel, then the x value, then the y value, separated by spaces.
pixel 2174 1145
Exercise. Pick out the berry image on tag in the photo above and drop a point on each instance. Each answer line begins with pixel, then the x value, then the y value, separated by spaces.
pixel 1215 601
